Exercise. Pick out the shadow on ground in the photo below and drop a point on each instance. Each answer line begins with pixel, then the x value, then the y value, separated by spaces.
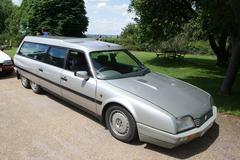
pixel 7 76
pixel 192 148
pixel 207 65
pixel 186 62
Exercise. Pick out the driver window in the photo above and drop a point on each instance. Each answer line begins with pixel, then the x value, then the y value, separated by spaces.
pixel 77 62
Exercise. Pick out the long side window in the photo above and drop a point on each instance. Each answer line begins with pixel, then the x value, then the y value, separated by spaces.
pixel 56 56
pixel 34 51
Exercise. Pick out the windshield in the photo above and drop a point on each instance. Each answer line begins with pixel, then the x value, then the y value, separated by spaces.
pixel 116 64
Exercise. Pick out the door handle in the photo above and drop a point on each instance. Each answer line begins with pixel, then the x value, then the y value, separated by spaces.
pixel 64 78
pixel 40 69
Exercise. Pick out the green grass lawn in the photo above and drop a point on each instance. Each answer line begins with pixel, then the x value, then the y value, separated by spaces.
pixel 199 70
pixel 11 52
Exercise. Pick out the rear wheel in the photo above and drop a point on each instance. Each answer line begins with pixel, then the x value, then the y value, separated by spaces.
pixel 35 87
pixel 25 82
pixel 121 124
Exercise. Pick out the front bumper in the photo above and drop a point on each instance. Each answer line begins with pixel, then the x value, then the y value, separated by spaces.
pixel 6 68
pixel 168 140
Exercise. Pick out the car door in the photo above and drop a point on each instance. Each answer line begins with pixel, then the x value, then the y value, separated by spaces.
pixel 29 59
pixel 76 89
pixel 52 68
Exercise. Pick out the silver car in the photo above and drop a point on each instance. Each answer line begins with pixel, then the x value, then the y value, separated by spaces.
pixel 108 81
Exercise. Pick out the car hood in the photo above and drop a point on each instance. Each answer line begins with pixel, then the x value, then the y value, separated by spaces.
pixel 4 57
pixel 176 97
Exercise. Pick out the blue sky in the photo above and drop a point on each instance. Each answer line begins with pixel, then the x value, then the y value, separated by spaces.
pixel 105 16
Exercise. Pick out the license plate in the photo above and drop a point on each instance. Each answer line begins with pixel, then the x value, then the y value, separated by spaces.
pixel 193 136
pixel 7 67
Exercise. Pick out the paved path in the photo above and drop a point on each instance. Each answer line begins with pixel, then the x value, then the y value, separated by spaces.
pixel 43 127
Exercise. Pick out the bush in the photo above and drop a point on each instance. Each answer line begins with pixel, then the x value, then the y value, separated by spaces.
pixel 13 41
pixel 178 43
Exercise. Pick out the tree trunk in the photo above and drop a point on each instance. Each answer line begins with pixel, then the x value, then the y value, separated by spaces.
pixel 220 48
pixel 233 66
pixel 232 70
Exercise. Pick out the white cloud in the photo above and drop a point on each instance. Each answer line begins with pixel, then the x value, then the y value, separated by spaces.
pixel 108 17
pixel 95 1
pixel 101 5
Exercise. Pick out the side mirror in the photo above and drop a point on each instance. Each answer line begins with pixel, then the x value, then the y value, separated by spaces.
pixel 82 74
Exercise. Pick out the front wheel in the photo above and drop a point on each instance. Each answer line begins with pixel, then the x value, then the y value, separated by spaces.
pixel 35 87
pixel 121 124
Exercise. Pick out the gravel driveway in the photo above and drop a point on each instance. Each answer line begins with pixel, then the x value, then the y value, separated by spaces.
pixel 43 127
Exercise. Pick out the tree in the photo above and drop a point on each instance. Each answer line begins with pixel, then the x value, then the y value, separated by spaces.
pixel 59 17
pixel 235 58
pixel 6 8
pixel 130 36
pixel 162 19
pixel 2 20
pixel 216 17
pixel 65 18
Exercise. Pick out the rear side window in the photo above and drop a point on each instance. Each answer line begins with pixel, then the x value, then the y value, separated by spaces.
pixel 56 56
pixel 34 51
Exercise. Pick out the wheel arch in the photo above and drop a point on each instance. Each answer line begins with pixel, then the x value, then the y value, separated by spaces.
pixel 126 106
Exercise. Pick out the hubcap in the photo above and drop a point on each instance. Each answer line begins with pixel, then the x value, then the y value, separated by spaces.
pixel 119 123
pixel 34 86
pixel 24 81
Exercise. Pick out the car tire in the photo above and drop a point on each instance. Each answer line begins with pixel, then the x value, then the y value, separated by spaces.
pixel 25 82
pixel 121 123
pixel 35 87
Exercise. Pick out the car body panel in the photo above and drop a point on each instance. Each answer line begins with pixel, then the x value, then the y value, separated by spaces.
pixel 52 75
pixel 85 89
pixel 168 140
pixel 141 109
pixel 167 93
pixel 4 57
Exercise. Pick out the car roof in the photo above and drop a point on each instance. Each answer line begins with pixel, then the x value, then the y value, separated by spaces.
pixel 85 44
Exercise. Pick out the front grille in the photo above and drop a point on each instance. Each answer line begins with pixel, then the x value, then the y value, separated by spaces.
pixel 199 121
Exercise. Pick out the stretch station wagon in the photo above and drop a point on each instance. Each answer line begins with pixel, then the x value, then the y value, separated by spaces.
pixel 111 83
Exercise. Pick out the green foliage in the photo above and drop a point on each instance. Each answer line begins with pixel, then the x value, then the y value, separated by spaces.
pixel 130 37
pixel 11 52
pixel 192 30
pixel 217 16
pixel 66 18
pixel 6 8
pixel 115 40
pixel 19 18
pixel 188 40
pixel 162 19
